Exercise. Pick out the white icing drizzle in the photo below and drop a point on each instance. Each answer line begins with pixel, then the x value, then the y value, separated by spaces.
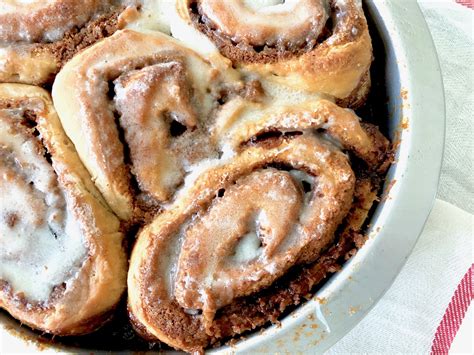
pixel 153 15
pixel 41 243
pixel 249 246
pixel 268 22
pixel 182 29
pixel 234 118
pixel 247 249
pixel 163 16
pixel 303 177
pixel 171 256
pixel 257 5
pixel 45 20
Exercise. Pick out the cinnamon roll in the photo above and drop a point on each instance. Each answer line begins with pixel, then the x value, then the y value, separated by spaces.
pixel 314 45
pixel 62 263
pixel 240 123
pixel 136 106
pixel 38 37
pixel 251 234
pixel 229 147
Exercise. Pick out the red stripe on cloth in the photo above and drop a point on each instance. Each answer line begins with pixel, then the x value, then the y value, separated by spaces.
pixel 454 314
pixel 468 3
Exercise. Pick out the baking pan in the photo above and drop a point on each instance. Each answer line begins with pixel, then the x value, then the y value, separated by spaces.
pixel 411 92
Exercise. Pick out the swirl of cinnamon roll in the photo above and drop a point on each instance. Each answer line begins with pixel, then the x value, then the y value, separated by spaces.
pixel 240 123
pixel 238 227
pixel 62 263
pixel 216 262
pixel 37 37
pixel 313 45
pixel 136 107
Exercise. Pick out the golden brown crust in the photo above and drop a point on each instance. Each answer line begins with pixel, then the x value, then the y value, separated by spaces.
pixel 335 61
pixel 86 301
pixel 358 97
pixel 37 39
pixel 215 169
pixel 248 174
pixel 148 125
pixel 157 307
pixel 342 125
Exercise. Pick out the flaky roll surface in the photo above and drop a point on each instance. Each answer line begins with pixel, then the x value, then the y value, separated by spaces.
pixel 225 152
pixel 63 265
pixel 37 37
pixel 183 268
pixel 137 107
pixel 314 45
pixel 202 270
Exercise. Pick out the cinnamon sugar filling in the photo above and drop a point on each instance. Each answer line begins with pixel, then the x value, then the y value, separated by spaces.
pixel 185 134
pixel 173 123
pixel 271 303
pixel 77 39
pixel 178 127
pixel 243 52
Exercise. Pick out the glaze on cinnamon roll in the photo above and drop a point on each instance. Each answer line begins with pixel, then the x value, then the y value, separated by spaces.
pixel 251 234
pixel 137 107
pixel 241 123
pixel 62 263
pixel 37 37
pixel 311 45
pixel 227 147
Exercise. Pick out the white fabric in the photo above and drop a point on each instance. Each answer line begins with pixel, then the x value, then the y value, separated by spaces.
pixel 406 318
pixel 463 342
pixel 452 28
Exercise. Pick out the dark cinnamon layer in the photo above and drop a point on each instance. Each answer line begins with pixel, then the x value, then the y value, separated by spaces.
pixel 267 53
pixel 268 305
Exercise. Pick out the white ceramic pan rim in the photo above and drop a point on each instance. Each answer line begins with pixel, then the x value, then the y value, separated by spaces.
pixel 411 66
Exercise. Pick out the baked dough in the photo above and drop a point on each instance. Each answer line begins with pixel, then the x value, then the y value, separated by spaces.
pixel 310 45
pixel 241 222
pixel 146 94
pixel 221 131
pixel 63 266
pixel 37 37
